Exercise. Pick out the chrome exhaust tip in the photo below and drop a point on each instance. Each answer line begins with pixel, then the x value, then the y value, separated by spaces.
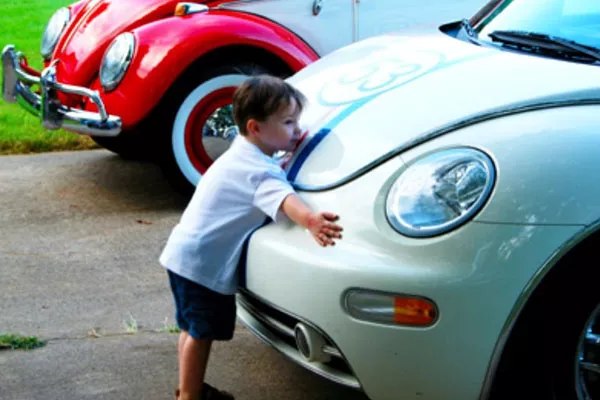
pixel 310 343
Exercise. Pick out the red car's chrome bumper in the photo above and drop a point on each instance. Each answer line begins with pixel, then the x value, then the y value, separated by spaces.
pixel 16 87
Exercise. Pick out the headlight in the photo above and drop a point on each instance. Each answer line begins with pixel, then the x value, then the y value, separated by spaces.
pixel 54 29
pixel 440 192
pixel 116 60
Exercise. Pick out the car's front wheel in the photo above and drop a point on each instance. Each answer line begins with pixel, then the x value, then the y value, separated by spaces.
pixel 201 127
pixel 554 350
pixel 131 145
pixel 587 368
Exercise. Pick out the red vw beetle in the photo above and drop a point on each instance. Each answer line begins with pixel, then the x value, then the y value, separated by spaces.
pixel 154 78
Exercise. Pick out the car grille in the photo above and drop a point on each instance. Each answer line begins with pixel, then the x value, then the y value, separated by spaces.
pixel 276 327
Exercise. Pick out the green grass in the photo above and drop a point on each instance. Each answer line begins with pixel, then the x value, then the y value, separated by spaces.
pixel 22 23
pixel 131 325
pixel 19 342
pixel 169 328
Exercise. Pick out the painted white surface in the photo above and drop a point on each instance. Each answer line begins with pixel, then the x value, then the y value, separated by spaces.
pixel 545 193
pixel 329 30
pixel 341 22
pixel 547 164
pixel 387 91
pixel 474 274
pixel 382 16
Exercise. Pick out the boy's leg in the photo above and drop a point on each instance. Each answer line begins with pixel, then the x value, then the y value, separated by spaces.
pixel 203 316
pixel 182 338
pixel 192 367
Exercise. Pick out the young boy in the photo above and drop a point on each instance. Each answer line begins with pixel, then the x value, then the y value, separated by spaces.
pixel 235 196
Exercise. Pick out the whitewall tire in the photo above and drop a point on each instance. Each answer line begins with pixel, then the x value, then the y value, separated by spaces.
pixel 191 154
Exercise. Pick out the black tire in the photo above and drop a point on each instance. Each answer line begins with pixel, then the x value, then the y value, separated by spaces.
pixel 172 105
pixel 540 359
pixel 131 145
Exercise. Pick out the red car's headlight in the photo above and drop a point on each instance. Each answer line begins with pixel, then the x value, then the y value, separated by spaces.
pixel 54 29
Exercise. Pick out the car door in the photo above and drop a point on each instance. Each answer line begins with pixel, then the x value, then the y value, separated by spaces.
pixel 381 16
pixel 325 25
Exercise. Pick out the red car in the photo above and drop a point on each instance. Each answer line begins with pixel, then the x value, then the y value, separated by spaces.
pixel 154 78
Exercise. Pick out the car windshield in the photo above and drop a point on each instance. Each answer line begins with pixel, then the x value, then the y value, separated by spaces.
pixel 572 20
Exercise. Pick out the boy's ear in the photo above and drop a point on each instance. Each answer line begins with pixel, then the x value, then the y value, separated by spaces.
pixel 252 127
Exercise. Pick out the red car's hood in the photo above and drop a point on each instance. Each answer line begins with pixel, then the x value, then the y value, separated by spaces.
pixel 93 28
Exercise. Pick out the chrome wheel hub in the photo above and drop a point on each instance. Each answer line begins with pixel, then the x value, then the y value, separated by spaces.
pixel 219 131
pixel 588 359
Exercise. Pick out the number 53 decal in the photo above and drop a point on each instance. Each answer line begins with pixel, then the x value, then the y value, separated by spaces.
pixel 368 78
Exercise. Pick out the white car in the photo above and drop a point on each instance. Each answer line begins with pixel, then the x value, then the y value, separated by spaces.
pixel 464 163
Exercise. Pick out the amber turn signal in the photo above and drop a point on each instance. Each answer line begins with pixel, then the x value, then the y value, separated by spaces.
pixel 182 9
pixel 390 308
pixel 413 311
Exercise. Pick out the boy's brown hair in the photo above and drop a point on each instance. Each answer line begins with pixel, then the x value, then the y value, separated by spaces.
pixel 261 96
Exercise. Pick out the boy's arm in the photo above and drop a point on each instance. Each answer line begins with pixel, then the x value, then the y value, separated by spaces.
pixel 320 224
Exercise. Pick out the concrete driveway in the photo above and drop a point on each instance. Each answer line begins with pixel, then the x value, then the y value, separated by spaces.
pixel 80 234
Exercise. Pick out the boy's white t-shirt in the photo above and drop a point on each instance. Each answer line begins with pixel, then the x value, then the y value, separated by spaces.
pixel 232 199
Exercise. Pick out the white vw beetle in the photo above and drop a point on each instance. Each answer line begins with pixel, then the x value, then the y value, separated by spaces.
pixel 463 162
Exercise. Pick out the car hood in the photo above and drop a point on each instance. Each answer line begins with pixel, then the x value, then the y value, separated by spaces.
pixel 375 98
pixel 93 28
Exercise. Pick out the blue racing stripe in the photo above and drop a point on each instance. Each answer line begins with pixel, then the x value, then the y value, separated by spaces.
pixel 314 141
pixel 338 119
pixel 320 135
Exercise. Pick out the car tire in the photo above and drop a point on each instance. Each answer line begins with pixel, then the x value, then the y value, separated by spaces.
pixel 130 145
pixel 187 152
pixel 542 356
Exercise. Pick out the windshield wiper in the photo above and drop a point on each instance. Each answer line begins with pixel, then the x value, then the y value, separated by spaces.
pixel 542 40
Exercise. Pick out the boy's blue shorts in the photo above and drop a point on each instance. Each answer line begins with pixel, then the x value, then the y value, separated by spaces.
pixel 203 313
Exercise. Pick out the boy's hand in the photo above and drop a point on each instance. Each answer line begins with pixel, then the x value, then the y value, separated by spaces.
pixel 320 224
pixel 323 229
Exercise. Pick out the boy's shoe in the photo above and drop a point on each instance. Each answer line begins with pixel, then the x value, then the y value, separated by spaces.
pixel 211 393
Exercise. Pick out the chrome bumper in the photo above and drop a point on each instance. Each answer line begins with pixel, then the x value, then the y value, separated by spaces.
pixel 16 87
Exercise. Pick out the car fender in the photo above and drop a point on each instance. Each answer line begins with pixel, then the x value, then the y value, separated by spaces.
pixel 166 48
pixel 547 153
pixel 93 26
